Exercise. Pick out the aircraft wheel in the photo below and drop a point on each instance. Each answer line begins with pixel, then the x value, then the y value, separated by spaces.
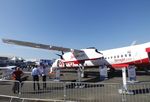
pixel 112 73
pixel 85 75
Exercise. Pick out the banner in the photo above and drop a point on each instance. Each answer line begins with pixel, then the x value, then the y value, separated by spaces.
pixel 131 73
pixel 103 72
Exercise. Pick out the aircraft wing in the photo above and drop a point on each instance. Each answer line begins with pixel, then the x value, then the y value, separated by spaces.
pixel 7 68
pixel 40 46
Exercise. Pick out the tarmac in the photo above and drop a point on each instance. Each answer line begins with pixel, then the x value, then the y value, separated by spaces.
pixel 92 90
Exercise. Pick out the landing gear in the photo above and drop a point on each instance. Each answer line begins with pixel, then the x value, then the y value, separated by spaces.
pixel 57 74
pixel 124 89
pixel 111 73
pixel 80 72
pixel 146 70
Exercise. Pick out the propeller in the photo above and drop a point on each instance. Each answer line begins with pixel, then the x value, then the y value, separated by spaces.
pixel 95 50
pixel 60 55
pixel 98 51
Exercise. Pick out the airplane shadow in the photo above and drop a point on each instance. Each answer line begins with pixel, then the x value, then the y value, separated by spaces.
pixel 37 92
pixel 41 91
pixel 81 85
pixel 25 78
pixel 5 83
pixel 141 91
pixel 117 74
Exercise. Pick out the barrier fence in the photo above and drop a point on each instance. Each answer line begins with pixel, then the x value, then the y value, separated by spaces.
pixel 75 92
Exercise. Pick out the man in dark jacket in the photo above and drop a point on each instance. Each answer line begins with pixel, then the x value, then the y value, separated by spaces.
pixel 17 74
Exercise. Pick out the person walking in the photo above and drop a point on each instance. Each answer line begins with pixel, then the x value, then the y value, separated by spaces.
pixel 17 74
pixel 35 74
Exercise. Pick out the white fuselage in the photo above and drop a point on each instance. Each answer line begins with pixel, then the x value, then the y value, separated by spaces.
pixel 135 54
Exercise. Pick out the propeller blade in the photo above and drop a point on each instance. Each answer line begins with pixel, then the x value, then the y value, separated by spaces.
pixel 61 57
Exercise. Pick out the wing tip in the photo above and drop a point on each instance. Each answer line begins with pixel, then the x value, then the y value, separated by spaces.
pixel 8 41
pixel 4 40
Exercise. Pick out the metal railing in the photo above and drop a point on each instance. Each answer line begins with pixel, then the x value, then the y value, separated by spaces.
pixel 76 92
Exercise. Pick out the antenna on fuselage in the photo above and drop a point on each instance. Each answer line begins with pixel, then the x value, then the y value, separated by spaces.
pixel 134 43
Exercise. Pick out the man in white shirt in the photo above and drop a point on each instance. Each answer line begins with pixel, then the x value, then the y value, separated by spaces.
pixel 35 74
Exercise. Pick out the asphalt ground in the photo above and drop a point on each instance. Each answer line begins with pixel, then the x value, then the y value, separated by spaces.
pixel 99 90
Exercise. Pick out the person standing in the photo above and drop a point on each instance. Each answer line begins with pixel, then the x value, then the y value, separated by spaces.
pixel 17 74
pixel 35 74
pixel 44 73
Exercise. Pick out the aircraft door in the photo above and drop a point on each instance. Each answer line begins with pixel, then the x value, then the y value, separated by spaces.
pixel 148 53
pixel 137 58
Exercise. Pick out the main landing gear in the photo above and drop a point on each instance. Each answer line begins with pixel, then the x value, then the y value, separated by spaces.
pixel 80 74
pixel 124 89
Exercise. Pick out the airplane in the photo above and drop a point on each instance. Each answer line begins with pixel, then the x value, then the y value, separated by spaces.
pixel 8 68
pixel 7 72
pixel 137 55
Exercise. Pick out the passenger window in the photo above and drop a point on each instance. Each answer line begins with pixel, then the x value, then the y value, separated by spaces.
pixel 125 55
pixel 118 56
pixel 114 56
pixel 129 55
pixel 121 55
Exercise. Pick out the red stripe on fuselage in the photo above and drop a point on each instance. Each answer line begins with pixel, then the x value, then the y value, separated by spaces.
pixel 80 61
pixel 144 61
pixel 148 49
pixel 137 62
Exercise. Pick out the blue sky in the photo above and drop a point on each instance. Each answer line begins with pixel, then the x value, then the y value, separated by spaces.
pixel 104 24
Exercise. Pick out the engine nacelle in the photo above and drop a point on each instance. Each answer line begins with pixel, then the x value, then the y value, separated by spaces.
pixel 57 64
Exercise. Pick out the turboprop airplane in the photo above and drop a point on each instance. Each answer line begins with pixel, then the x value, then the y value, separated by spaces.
pixel 7 72
pixel 137 55
pixel 118 58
